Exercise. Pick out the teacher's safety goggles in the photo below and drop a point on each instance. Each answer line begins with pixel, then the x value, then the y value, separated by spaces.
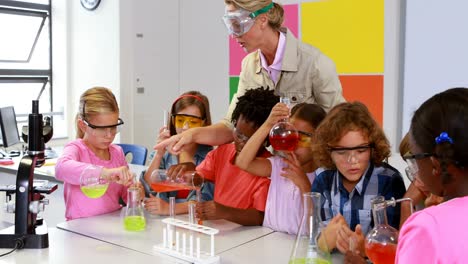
pixel 190 121
pixel 240 21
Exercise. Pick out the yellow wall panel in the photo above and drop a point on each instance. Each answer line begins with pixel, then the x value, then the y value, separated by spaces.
pixel 350 32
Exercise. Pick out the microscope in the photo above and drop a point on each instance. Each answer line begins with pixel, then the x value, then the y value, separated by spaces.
pixel 29 231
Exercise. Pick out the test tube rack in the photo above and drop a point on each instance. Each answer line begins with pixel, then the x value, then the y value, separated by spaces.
pixel 186 248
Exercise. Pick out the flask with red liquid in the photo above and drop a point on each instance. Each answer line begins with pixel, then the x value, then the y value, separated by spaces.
pixel 381 241
pixel 283 135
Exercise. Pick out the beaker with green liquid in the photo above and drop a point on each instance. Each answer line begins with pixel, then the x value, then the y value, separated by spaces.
pixel 91 182
pixel 134 217
pixel 306 249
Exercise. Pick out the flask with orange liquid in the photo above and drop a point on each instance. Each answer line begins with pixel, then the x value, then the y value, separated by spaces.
pixel 283 135
pixel 161 182
pixel 381 241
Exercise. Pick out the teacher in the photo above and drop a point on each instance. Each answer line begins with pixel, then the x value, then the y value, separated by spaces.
pixel 277 60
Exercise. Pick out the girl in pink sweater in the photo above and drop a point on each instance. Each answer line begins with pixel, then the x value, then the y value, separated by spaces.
pixel 97 124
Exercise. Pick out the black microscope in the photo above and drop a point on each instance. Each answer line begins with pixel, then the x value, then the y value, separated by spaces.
pixel 29 231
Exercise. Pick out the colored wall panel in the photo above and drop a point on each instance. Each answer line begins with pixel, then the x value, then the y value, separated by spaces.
pixel 351 32
pixel 233 83
pixel 367 89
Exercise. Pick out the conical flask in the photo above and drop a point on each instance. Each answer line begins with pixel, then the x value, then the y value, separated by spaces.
pixel 381 241
pixel 134 218
pixel 283 135
pixel 306 250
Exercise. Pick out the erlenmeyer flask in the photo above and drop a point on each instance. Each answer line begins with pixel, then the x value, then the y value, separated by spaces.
pixel 161 182
pixel 306 249
pixel 91 182
pixel 283 135
pixel 381 241
pixel 134 218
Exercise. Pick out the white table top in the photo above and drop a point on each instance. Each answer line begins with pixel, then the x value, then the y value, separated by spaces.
pixel 272 248
pixel 67 247
pixel 109 228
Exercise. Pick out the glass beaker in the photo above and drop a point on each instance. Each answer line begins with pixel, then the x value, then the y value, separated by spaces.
pixel 306 249
pixel 161 182
pixel 91 182
pixel 283 135
pixel 381 241
pixel 134 218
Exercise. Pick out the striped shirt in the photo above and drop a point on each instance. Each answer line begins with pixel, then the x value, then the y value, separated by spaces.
pixel 355 206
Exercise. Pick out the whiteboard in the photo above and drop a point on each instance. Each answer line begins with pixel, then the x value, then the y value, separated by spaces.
pixel 435 51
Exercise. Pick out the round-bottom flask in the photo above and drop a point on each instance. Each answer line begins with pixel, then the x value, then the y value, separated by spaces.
pixel 283 135
pixel 381 241
pixel 91 182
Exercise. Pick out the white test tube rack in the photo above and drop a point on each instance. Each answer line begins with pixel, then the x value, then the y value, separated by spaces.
pixel 177 247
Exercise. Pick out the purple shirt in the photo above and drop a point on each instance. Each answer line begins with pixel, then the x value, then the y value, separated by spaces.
pixel 284 207
pixel 75 158
pixel 274 69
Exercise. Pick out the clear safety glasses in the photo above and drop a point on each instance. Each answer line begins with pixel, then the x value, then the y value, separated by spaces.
pixel 411 160
pixel 180 121
pixel 351 155
pixel 240 21
pixel 102 131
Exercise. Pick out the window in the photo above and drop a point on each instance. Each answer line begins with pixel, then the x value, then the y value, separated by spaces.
pixel 26 59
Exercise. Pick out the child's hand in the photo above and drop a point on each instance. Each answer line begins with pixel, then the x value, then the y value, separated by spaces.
pixel 164 133
pixel 141 189
pixel 294 172
pixel 330 233
pixel 178 170
pixel 278 112
pixel 121 175
pixel 209 210
pixel 354 258
pixel 157 206
pixel 344 236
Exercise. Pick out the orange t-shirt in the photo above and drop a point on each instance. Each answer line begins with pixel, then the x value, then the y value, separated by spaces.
pixel 233 186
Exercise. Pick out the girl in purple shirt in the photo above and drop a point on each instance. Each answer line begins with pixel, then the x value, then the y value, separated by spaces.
pixel 292 175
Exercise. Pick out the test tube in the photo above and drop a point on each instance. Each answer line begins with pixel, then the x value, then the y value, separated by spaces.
pixel 172 207
pixel 198 193
pixel 191 209
pixel 172 228
pixel 165 123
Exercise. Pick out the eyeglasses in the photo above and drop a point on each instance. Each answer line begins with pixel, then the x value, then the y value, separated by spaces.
pixel 239 137
pixel 181 120
pixel 103 131
pixel 352 154
pixel 305 139
pixel 411 160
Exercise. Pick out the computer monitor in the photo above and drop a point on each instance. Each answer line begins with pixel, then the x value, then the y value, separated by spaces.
pixel 9 127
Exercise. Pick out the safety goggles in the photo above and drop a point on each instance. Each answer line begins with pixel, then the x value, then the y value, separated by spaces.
pixel 352 154
pixel 180 121
pixel 240 21
pixel 305 139
pixel 411 160
pixel 102 131
pixel 239 137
